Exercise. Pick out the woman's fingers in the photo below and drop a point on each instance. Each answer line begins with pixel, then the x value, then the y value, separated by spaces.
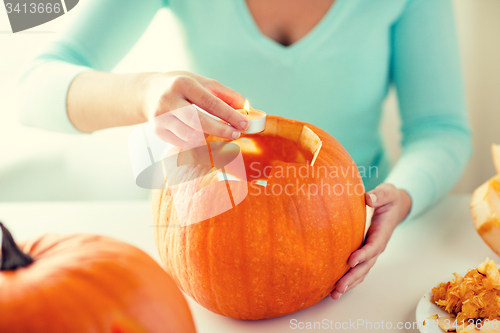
pixel 170 100
pixel 169 126
pixel 195 93
pixel 217 128
pixel 335 294
pixel 376 239
pixel 358 281
pixel 368 251
pixel 169 137
pixel 186 132
pixel 362 260
pixel 383 194
pixel 391 206
pixel 210 125
pixel 354 274
pixel 191 126
pixel 352 278
pixel 226 94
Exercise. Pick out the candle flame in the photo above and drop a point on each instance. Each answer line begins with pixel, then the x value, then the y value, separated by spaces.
pixel 246 106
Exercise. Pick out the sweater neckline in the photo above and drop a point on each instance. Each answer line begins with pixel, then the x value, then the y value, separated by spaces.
pixel 303 43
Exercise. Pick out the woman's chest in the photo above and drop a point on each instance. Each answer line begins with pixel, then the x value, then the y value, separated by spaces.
pixel 330 27
pixel 350 44
pixel 287 21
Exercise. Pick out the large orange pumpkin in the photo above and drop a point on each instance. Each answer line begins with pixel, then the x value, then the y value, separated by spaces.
pixel 86 283
pixel 280 250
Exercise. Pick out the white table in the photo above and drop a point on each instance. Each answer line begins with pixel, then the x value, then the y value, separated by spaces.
pixel 420 254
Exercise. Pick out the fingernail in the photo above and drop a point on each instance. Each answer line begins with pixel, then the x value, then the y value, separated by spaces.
pixel 235 135
pixel 244 125
pixel 345 289
pixel 357 262
pixel 373 197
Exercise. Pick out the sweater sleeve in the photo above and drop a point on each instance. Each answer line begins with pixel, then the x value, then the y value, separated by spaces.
pixel 426 72
pixel 101 32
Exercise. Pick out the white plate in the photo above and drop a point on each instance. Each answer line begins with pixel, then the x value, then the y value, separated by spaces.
pixel 425 309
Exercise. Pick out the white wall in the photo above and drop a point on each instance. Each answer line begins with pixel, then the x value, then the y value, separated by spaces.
pixel 37 165
pixel 478 25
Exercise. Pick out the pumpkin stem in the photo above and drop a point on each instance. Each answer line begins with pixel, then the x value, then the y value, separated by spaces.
pixel 12 256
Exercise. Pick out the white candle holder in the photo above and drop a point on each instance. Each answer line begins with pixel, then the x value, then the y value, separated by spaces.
pixel 256 119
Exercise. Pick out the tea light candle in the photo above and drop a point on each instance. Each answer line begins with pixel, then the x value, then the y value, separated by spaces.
pixel 256 119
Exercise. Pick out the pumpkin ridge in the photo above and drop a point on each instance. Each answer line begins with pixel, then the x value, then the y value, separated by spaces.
pixel 209 235
pixel 72 291
pixel 305 272
pixel 187 262
pixel 160 232
pixel 244 256
pixel 173 251
pixel 172 222
pixel 264 305
pixel 156 221
pixel 37 254
pixel 330 238
pixel 273 255
pixel 177 253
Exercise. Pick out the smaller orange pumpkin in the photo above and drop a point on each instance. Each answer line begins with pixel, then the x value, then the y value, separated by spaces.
pixel 485 206
pixel 495 151
pixel 86 283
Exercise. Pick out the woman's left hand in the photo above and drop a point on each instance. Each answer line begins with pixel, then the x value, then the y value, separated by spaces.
pixel 391 206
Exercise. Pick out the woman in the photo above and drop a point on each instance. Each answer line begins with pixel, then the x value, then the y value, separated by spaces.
pixel 326 62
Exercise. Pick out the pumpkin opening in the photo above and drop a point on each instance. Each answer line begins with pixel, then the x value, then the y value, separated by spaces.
pixel 12 257
pixel 291 143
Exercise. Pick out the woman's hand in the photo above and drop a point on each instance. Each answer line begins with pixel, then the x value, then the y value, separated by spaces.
pixel 168 94
pixel 391 207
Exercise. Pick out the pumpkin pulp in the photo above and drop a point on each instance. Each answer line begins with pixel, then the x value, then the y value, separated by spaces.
pixel 259 160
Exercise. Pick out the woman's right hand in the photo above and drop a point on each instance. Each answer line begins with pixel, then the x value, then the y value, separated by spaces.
pixel 167 92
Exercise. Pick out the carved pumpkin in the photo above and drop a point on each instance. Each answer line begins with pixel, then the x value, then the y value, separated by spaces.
pixel 495 151
pixel 86 283
pixel 485 206
pixel 283 248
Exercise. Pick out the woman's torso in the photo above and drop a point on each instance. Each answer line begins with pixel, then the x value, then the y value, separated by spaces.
pixel 334 75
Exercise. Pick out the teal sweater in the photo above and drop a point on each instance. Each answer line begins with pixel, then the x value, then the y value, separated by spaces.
pixel 335 77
